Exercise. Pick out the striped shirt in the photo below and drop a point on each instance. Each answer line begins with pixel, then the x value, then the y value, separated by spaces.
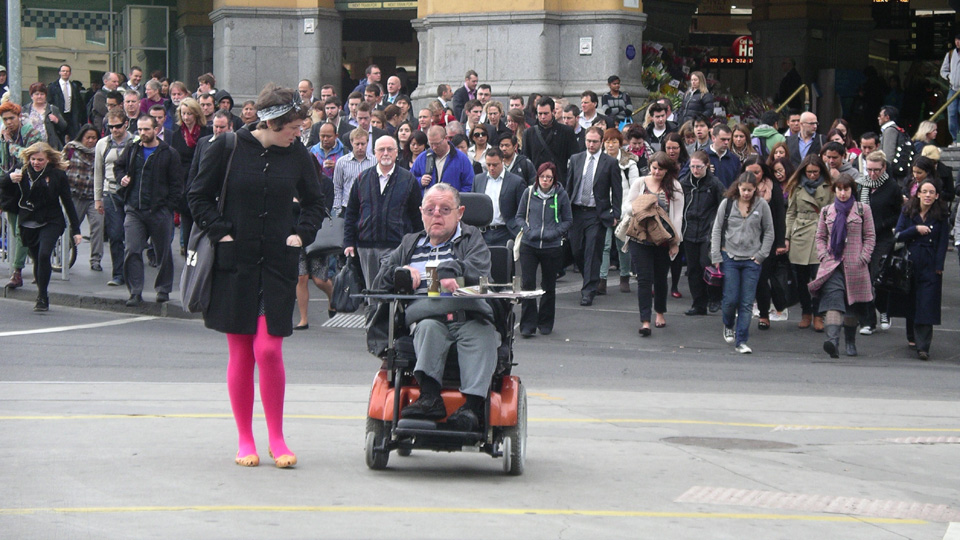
pixel 426 252
pixel 345 173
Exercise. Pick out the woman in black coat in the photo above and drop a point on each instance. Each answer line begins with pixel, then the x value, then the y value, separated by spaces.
pixel 258 241
pixel 41 188
pixel 924 227
pixel 769 189
pixel 697 100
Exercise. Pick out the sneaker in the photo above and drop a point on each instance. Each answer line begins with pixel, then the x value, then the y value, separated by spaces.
pixel 425 408
pixel 743 348
pixel 728 335
pixel 884 321
pixel 115 282
pixel 867 331
pixel 779 316
pixel 95 266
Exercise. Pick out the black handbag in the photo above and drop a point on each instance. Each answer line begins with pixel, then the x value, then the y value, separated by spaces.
pixel 347 282
pixel 896 271
pixel 196 281
pixel 329 237
pixel 783 285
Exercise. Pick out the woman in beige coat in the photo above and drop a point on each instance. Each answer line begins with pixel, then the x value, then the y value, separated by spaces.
pixel 808 191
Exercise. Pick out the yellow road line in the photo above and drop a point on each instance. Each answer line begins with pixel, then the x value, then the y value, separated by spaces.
pixel 450 510
pixel 654 421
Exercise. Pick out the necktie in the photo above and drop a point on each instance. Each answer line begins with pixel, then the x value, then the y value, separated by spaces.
pixel 65 86
pixel 587 185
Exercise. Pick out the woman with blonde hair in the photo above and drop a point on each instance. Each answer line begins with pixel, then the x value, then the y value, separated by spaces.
pixel 190 129
pixel 41 188
pixel 697 100
pixel 926 134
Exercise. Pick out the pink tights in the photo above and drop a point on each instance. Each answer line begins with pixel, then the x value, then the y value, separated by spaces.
pixel 264 351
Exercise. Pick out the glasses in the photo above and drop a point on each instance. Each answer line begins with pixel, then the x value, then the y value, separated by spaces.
pixel 434 210
pixel 479 134
pixel 698 167
pixel 546 177
pixel 115 126
pixel 872 170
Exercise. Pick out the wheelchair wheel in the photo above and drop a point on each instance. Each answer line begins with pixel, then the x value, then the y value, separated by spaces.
pixel 376 436
pixel 56 260
pixel 404 452
pixel 515 439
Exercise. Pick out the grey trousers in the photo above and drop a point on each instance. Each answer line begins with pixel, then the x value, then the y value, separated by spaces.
pixel 86 209
pixel 138 225
pixel 477 343
pixel 370 262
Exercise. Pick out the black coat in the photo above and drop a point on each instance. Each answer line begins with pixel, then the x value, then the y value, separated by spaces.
pixel 511 189
pixel 927 254
pixel 460 98
pixel 259 215
pixel 161 172
pixel 78 109
pixel 700 204
pixel 45 195
pixel 885 205
pixel 793 147
pixel 561 144
pixel 179 143
pixel 695 104
pixel 607 185
pixel 524 168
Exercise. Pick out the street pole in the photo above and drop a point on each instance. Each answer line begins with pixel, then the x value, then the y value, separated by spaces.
pixel 14 76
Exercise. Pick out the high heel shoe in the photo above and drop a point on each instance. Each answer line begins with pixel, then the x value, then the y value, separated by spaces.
pixel 284 461
pixel 247 461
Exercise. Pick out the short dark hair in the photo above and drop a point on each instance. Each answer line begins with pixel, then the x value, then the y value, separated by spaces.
pixel 364 107
pixel 590 94
pixel 373 88
pixel 871 136
pixel 635 131
pixel 136 68
pixel 657 107
pixel 612 78
pixel 892 112
pixel 157 107
pixel 516 96
pixel 494 151
pixel 441 89
pixel 833 146
pixel 484 86
pixel 207 78
pixel 770 118
pixel 721 128
pixel 115 95
pixel 219 114
pixel 355 95
pixel 333 100
pixel 700 119
pixel 471 104
pixel 571 108
pixel 147 117
pixel 370 69
pixel 596 129
pixel 546 101
pixel 512 137
pixel 794 112
pixel 470 73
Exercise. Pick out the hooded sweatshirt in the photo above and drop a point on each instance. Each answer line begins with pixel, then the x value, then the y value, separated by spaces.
pixel 763 132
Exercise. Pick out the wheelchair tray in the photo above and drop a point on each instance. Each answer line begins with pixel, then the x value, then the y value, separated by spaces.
pixel 470 295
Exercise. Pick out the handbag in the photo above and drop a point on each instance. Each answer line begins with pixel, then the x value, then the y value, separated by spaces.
pixel 329 237
pixel 783 285
pixel 516 241
pixel 713 276
pixel 196 281
pixel 896 271
pixel 347 283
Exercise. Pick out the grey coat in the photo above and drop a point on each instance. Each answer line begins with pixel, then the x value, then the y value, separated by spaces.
pixel 746 238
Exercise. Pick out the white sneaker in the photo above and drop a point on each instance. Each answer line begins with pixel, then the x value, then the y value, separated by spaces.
pixel 866 331
pixel 743 348
pixel 756 311
pixel 884 321
pixel 728 335
pixel 778 316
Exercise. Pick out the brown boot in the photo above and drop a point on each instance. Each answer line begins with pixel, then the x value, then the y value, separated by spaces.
pixel 818 324
pixel 16 280
pixel 624 283
pixel 805 321
pixel 602 286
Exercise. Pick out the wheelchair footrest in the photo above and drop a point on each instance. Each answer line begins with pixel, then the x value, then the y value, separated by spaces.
pixel 410 423
pixel 435 432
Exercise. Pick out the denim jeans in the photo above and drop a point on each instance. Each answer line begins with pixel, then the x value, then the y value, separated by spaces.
pixel 953 118
pixel 739 290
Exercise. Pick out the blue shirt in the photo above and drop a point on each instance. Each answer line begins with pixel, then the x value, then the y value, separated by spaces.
pixel 426 252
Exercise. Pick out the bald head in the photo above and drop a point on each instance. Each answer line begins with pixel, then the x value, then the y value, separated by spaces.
pixel 393 85
pixel 385 152
pixel 808 124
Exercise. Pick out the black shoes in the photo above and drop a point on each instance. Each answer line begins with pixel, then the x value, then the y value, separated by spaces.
pixel 695 311
pixel 713 307
pixel 163 297
pixel 464 419
pixel 95 266
pixel 586 300
pixel 43 304
pixel 425 408
pixel 135 300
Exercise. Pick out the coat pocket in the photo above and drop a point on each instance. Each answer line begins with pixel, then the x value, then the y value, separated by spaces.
pixel 226 257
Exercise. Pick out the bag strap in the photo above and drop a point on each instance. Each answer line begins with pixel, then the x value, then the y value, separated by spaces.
pixel 529 196
pixel 231 141
pixel 726 217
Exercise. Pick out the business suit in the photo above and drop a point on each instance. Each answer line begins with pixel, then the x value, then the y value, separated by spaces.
pixel 793 146
pixel 511 190
pixel 460 98
pixel 589 223
pixel 78 113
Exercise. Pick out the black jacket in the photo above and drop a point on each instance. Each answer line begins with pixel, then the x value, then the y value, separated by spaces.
pixel 701 198
pixel 793 147
pixel 561 144
pixel 885 205
pixel 179 143
pixel 160 177
pixel 657 142
pixel 524 168
pixel 343 127
pixel 78 109
pixel 695 104
pixel 460 98
pixel 259 215
pixel 43 197
pixel 607 185
pixel 375 219
pixel 511 190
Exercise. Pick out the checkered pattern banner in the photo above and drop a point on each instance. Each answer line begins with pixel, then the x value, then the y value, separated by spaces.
pixel 66 20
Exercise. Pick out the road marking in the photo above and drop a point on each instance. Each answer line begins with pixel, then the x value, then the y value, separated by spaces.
pixel 450 510
pixel 75 327
pixel 545 396
pixel 953 532
pixel 925 440
pixel 652 421
pixel 805 502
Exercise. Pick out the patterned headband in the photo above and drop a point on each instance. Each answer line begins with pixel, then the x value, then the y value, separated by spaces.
pixel 277 111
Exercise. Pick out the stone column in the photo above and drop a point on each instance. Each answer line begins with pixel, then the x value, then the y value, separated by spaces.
pixel 194 37
pixel 533 46
pixel 253 46
pixel 671 20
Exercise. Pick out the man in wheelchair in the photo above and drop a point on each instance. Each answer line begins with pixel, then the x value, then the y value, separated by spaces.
pixel 459 251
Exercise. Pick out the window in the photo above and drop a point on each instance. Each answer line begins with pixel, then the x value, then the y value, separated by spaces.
pixel 98 37
pixel 44 32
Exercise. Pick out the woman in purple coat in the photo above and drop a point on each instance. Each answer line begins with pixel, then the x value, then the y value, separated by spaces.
pixel 845 240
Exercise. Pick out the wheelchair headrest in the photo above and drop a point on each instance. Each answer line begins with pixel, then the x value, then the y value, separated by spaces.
pixel 478 209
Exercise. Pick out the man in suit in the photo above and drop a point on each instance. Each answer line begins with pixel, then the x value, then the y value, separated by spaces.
pixel 363 119
pixel 160 113
pixel 465 93
pixel 133 81
pixel 331 109
pixel 808 141
pixel 594 185
pixel 505 190
pixel 66 95
pixel 548 140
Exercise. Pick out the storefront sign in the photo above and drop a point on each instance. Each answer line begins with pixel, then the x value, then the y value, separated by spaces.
pixel 730 61
pixel 742 47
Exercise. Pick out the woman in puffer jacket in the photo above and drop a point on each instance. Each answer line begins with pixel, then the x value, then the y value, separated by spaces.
pixel 544 215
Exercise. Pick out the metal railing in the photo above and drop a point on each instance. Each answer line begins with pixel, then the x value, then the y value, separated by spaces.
pixel 933 117
pixel 806 98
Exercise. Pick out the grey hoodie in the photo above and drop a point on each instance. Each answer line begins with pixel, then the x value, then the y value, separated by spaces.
pixel 746 238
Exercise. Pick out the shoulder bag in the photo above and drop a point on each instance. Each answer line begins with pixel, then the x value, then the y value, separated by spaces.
pixel 196 281
pixel 329 237
pixel 896 270
pixel 516 241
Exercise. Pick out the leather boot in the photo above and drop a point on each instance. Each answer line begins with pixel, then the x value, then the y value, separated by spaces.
pixel 805 321
pixel 832 344
pixel 624 283
pixel 16 280
pixel 850 339
pixel 602 286
pixel 818 324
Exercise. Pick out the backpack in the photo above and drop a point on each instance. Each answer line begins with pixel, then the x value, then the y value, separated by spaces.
pixel 760 145
pixel 902 159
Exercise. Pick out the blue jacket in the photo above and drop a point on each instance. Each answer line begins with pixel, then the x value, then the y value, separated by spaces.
pixel 726 168
pixel 457 171
pixel 375 219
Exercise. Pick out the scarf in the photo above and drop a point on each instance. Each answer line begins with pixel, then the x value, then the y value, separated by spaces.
pixel 80 160
pixel 811 185
pixel 838 236
pixel 191 135
pixel 868 185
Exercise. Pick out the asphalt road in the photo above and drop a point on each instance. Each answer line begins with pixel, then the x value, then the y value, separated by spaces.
pixel 118 426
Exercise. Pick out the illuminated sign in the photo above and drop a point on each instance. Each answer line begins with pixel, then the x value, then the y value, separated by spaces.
pixel 729 61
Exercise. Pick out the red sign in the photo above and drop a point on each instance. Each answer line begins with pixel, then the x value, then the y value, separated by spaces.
pixel 742 47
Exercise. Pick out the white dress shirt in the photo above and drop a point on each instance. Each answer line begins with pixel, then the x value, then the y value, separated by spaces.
pixel 493 191
pixel 384 177
pixel 67 91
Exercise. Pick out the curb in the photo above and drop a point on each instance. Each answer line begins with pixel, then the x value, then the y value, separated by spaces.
pixel 171 309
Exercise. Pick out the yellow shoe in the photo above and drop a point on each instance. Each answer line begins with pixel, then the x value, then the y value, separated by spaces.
pixel 248 461
pixel 284 461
